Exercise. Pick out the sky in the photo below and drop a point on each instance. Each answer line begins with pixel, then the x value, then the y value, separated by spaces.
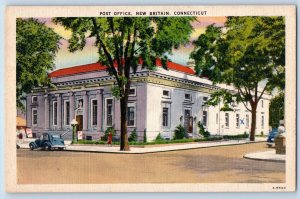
pixel 89 54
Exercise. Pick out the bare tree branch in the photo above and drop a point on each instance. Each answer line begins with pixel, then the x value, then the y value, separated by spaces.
pixel 241 93
pixel 107 54
pixel 261 94
pixel 111 22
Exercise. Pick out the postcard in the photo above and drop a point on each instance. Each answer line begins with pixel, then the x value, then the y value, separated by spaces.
pixel 150 99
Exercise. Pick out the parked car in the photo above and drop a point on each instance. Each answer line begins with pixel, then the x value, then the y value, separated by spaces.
pixel 272 135
pixel 48 141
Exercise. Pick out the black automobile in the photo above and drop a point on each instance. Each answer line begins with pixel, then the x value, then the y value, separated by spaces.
pixel 48 141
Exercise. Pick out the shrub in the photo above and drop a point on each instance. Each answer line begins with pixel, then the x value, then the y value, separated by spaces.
pixel 159 137
pixel 89 142
pixel 133 136
pixel 262 133
pixel 207 139
pixel 202 130
pixel 239 136
pixel 109 129
pixel 179 133
pixel 145 136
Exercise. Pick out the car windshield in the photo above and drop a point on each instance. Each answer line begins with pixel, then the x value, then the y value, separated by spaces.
pixel 55 136
pixel 44 137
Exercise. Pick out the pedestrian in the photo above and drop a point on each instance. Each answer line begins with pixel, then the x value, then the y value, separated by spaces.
pixel 109 139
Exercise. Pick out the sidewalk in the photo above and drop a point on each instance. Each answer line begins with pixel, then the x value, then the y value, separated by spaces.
pixel 152 149
pixel 270 156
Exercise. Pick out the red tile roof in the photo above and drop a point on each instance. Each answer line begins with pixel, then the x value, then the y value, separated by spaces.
pixel 77 69
pixel 98 67
pixel 176 67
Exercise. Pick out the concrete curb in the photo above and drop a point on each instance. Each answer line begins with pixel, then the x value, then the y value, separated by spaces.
pixel 159 151
pixel 267 156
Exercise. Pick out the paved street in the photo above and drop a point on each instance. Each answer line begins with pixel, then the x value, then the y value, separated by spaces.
pixel 214 165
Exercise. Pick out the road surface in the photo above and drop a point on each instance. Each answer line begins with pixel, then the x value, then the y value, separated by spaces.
pixel 224 164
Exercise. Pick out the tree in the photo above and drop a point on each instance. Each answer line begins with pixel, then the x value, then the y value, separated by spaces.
pixel 276 110
pixel 249 54
pixel 36 49
pixel 123 41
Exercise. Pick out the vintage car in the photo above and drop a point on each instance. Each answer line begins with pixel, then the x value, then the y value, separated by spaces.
pixel 48 141
pixel 271 138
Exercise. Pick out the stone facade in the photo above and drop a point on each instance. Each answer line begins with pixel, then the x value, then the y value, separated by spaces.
pixel 159 101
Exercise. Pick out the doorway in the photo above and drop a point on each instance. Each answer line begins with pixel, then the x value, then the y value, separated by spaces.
pixel 79 119
pixel 188 121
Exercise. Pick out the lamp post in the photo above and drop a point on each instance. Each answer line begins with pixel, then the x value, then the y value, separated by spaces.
pixel 74 124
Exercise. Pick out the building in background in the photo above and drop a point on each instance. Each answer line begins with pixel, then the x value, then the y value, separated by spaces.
pixel 159 101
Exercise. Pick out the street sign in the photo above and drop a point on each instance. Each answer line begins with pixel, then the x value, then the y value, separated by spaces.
pixel 79 135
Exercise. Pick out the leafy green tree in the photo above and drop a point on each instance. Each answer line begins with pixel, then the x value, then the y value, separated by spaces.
pixel 36 49
pixel 276 110
pixel 249 52
pixel 122 41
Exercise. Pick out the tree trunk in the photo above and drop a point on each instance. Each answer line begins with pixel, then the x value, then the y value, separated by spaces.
pixel 124 146
pixel 253 122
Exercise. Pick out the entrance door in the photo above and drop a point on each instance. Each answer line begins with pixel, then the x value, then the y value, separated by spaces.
pixel 79 119
pixel 188 121
pixel 191 125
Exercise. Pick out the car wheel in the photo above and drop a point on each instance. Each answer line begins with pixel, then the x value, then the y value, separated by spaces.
pixel 61 148
pixel 45 147
pixel 31 146
pixel 48 147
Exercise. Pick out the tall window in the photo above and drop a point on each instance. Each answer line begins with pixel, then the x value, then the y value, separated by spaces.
pixel 54 113
pixel 262 103
pixel 67 113
pixel 204 118
pixel 237 120
pixel 131 114
pixel 34 116
pixel 165 117
pixel 80 103
pixel 94 112
pixel 109 112
pixel 217 118
pixel 34 99
pixel 247 121
pixel 227 119
pixel 262 121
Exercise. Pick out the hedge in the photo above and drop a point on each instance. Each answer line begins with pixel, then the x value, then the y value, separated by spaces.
pixel 90 142
pixel 232 137
pixel 151 143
